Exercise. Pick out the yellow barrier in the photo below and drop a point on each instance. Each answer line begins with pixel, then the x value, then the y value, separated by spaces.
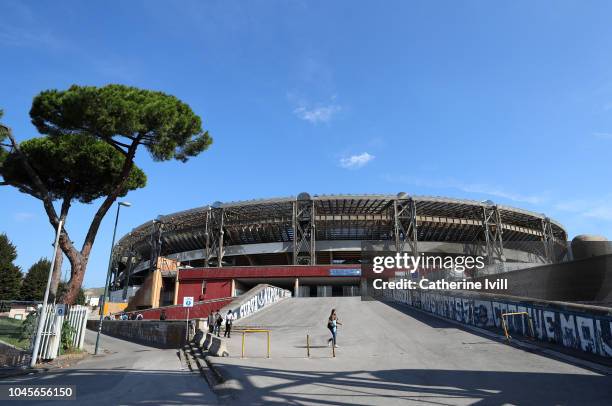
pixel 308 347
pixel 244 332
pixel 505 324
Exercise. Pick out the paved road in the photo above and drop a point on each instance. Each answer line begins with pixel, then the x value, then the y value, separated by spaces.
pixel 126 374
pixel 392 355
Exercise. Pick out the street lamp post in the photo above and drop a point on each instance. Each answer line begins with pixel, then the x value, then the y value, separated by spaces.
pixel 108 274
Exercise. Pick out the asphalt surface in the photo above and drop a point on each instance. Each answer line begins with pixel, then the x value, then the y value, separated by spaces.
pixel 392 355
pixel 124 374
pixel 388 355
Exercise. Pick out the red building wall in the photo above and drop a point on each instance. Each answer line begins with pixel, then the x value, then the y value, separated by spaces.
pixel 199 310
pixel 214 289
pixel 279 271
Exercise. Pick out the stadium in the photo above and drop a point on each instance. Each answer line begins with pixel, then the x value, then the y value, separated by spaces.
pixel 312 245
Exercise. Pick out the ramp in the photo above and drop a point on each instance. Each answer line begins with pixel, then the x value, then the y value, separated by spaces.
pixel 391 355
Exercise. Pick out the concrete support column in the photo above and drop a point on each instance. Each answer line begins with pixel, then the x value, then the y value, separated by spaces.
pixel 176 288
pixel 296 288
pixel 233 289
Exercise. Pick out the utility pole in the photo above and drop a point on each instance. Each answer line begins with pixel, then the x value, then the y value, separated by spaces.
pixel 108 273
pixel 43 310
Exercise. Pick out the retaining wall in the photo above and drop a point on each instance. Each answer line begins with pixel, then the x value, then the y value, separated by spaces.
pixel 11 356
pixel 579 327
pixel 161 334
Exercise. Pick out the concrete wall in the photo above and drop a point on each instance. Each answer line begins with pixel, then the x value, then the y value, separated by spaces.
pixel 11 356
pixel 584 280
pixel 161 334
pixel 578 327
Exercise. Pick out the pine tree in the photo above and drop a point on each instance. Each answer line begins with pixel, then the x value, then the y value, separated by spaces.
pixel 35 281
pixel 10 274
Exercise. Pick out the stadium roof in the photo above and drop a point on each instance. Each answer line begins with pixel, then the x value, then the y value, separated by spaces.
pixel 338 217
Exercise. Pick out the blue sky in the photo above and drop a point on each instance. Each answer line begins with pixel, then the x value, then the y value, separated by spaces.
pixel 509 101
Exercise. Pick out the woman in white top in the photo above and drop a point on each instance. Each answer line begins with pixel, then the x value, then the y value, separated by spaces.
pixel 332 325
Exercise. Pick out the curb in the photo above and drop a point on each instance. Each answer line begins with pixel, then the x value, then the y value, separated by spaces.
pixel 227 387
pixel 22 372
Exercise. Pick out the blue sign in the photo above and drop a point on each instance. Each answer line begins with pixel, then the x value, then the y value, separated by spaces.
pixel 345 272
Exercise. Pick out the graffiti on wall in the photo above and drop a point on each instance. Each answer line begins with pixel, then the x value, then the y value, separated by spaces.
pixel 267 296
pixel 570 328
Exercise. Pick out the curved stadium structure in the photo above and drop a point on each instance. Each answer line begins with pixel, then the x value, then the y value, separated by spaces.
pixel 318 239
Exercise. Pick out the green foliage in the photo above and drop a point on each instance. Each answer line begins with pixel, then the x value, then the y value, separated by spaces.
pixel 92 136
pixel 28 327
pixel 80 299
pixel 66 337
pixel 120 115
pixel 35 281
pixel 10 332
pixel 71 166
pixel 10 274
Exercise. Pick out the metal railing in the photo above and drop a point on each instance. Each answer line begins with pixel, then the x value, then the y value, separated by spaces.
pixel 505 323
pixel 247 331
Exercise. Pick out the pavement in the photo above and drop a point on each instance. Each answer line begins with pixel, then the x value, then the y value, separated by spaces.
pixel 387 354
pixel 391 355
pixel 124 373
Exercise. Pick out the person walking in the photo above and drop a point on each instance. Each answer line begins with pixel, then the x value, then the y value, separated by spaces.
pixel 218 322
pixel 229 318
pixel 163 316
pixel 332 325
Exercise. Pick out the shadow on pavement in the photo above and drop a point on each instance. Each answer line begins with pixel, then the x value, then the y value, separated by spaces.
pixel 419 386
pixel 123 386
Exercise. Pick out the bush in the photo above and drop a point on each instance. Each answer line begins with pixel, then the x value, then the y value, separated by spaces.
pixel 29 325
pixel 66 338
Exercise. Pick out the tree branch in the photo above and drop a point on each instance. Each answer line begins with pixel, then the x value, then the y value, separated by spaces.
pixel 44 194
pixel 110 199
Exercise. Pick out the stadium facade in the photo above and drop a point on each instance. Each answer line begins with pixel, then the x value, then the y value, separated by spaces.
pixel 313 244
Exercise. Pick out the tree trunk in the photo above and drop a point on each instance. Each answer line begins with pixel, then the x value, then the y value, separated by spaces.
pixel 78 264
pixel 76 280
pixel 78 260
pixel 57 274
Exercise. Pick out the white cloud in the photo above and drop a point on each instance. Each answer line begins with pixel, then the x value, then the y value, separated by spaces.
pixel 23 216
pixel 356 161
pixel 315 115
pixel 479 188
pixel 499 192
pixel 599 209
pixel 603 136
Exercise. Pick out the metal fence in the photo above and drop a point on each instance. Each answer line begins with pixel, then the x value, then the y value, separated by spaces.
pixel 50 340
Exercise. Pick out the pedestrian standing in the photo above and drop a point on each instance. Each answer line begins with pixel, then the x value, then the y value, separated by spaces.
pixel 211 322
pixel 229 319
pixel 218 322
